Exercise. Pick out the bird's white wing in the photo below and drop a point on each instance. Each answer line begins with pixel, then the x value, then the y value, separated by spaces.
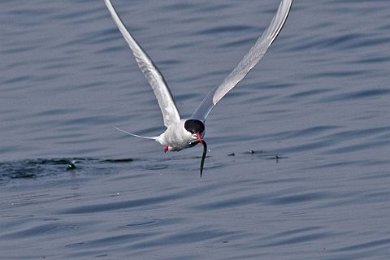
pixel 152 74
pixel 247 63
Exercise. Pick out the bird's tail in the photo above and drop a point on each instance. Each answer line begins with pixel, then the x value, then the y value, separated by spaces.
pixel 139 136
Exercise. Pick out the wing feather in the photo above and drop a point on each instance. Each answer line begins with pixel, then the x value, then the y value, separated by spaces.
pixel 151 72
pixel 247 63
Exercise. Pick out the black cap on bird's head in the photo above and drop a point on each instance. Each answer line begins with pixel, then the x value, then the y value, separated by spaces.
pixel 194 126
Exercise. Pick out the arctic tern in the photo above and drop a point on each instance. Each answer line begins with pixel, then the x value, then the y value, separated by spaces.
pixel 184 133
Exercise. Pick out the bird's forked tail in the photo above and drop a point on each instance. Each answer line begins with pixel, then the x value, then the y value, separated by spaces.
pixel 139 136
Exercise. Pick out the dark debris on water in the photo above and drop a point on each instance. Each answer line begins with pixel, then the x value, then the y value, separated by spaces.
pixel 33 168
pixel 260 153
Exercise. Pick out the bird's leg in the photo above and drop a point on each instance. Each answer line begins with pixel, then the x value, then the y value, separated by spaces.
pixel 165 148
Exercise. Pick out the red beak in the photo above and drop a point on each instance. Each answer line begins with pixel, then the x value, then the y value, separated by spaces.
pixel 199 137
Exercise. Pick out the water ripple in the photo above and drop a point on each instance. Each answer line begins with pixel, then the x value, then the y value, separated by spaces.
pixel 298 161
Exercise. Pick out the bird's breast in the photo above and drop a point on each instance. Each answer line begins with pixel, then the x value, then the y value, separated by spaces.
pixel 176 137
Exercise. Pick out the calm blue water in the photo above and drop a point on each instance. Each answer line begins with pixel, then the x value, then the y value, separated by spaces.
pixel 298 166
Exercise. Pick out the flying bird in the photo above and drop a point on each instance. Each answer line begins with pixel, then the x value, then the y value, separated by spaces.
pixel 180 132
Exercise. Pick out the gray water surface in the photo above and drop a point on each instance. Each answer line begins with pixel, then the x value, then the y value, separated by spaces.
pixel 298 166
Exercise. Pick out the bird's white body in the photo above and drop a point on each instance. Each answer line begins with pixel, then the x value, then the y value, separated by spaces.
pixel 185 133
pixel 176 137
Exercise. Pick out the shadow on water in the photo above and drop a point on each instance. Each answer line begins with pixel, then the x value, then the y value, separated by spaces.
pixel 43 167
pixel 37 168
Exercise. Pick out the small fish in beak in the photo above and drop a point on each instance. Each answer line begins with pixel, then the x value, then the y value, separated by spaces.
pixel 203 157
pixel 201 141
